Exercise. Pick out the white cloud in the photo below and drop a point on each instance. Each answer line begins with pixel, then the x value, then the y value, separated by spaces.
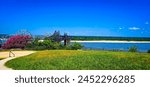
pixel 120 28
pixel 134 28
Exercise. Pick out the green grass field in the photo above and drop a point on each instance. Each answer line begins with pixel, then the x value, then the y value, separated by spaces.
pixel 81 60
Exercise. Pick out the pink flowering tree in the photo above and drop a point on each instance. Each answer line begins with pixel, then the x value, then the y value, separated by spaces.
pixel 17 41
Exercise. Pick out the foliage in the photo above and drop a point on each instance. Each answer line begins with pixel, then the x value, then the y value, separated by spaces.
pixel 81 60
pixel 49 45
pixel 43 45
pixel 52 42
pixel 84 38
pixel 74 46
pixel 56 37
pixel 133 49
pixel 148 51
pixel 17 41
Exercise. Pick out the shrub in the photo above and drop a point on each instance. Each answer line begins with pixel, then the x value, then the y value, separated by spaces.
pixel 39 48
pixel 44 45
pixel 74 46
pixel 148 51
pixel 17 41
pixel 133 49
pixel 57 46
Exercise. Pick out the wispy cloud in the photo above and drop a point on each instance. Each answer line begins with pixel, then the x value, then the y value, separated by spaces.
pixel 120 28
pixel 134 28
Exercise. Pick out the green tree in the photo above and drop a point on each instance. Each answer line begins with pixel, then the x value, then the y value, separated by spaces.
pixel 56 37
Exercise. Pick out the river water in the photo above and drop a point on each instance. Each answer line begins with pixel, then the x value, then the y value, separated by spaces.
pixel 142 47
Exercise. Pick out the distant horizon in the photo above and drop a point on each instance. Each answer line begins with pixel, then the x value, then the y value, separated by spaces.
pixel 84 36
pixel 115 18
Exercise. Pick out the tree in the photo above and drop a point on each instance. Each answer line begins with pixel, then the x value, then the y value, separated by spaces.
pixel 17 41
pixel 56 37
pixel 66 39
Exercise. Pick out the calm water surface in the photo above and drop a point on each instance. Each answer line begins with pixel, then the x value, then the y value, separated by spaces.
pixel 142 47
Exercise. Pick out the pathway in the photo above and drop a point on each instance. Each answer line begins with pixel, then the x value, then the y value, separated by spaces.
pixel 17 54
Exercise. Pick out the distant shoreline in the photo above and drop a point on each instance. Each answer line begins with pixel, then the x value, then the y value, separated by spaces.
pixel 109 41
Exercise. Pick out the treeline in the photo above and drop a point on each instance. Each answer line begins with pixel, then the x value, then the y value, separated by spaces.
pixel 84 38
pixel 54 41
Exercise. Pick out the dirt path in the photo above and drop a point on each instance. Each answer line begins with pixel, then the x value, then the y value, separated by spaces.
pixel 6 54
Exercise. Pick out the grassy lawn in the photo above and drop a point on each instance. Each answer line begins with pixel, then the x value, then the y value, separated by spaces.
pixel 81 60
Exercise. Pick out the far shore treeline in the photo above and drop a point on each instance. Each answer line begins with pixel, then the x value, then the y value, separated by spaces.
pixel 84 38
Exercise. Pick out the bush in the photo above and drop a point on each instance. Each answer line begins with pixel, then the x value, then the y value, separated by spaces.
pixel 17 41
pixel 39 48
pixel 44 45
pixel 57 46
pixel 133 49
pixel 148 51
pixel 74 46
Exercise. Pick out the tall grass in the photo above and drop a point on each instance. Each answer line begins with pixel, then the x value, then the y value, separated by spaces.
pixel 133 49
pixel 81 60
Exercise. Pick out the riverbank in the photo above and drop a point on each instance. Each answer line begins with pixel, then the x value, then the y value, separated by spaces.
pixel 109 41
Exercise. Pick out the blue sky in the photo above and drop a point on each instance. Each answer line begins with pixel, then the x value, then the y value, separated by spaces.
pixel 127 18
